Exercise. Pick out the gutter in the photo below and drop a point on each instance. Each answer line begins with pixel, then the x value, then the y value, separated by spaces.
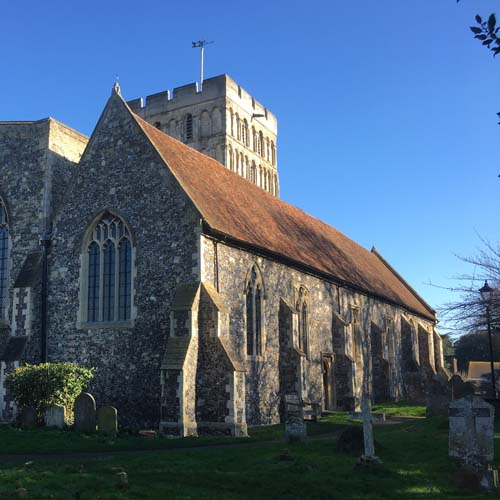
pixel 241 245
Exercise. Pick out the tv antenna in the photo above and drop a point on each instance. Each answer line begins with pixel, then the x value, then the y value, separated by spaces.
pixel 201 44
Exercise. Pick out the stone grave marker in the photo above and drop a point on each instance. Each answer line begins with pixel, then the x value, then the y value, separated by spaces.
pixel 438 396
pixel 55 416
pixel 85 414
pixel 107 420
pixel 471 438
pixel 295 427
pixel 459 388
pixel 28 418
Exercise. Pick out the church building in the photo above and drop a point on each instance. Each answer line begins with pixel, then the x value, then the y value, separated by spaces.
pixel 159 252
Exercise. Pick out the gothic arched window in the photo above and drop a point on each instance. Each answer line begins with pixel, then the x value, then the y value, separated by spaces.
pixel 302 310
pixel 4 260
pixel 189 127
pixel 108 279
pixel 254 312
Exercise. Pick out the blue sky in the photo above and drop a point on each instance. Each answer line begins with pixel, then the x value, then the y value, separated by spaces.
pixel 386 109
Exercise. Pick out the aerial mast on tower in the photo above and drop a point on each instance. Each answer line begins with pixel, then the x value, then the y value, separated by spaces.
pixel 201 45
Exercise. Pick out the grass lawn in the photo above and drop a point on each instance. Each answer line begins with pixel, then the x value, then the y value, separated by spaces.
pixel 414 455
pixel 400 409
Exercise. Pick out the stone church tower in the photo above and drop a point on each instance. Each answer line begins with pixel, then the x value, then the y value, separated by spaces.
pixel 223 121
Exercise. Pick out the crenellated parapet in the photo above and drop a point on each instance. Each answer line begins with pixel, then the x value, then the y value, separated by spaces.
pixel 223 121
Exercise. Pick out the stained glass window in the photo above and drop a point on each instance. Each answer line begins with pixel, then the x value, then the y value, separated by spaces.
pixel 4 260
pixel 109 280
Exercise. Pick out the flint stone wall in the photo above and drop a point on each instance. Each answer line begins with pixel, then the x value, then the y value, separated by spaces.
pixel 326 301
pixel 121 172
pixel 37 160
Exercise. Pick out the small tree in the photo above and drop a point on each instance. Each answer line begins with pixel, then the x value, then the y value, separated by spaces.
pixel 467 313
pixel 48 384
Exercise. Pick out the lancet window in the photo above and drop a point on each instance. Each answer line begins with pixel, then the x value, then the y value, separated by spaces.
pixel 4 260
pixel 109 271
pixel 303 312
pixel 254 312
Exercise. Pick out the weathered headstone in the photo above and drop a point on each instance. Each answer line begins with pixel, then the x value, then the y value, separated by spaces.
pixel 351 441
pixel 471 438
pixel 295 427
pixel 107 420
pixel 438 396
pixel 459 388
pixel 85 414
pixel 28 418
pixel 55 416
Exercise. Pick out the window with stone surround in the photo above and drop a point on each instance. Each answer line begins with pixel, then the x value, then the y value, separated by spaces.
pixel 4 261
pixel 356 335
pixel 303 317
pixel 107 270
pixel 254 312
pixel 388 340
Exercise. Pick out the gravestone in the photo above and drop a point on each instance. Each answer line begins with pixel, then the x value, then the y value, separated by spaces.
pixel 438 396
pixel 459 388
pixel 351 441
pixel 85 414
pixel 55 416
pixel 295 427
pixel 471 438
pixel 107 420
pixel 28 418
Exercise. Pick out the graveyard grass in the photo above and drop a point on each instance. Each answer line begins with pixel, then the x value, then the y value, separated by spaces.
pixel 414 455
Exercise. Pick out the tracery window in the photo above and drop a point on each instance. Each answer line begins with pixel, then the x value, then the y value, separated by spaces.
pixel 254 312
pixel 302 310
pixel 189 127
pixel 109 271
pixel 4 260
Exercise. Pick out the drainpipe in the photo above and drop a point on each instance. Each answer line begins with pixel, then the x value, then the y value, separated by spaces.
pixel 216 266
pixel 45 242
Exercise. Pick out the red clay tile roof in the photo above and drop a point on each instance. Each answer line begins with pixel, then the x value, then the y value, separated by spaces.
pixel 234 207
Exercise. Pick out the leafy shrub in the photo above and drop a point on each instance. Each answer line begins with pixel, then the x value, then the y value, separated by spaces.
pixel 48 384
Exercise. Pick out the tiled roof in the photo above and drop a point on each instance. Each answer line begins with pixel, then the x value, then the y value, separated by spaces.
pixel 232 206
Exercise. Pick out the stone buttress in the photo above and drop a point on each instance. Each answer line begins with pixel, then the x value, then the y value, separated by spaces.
pixel 202 379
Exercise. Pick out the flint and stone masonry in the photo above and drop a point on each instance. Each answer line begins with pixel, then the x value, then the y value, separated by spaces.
pixel 195 349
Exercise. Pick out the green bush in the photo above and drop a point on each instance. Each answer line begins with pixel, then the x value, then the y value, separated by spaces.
pixel 48 384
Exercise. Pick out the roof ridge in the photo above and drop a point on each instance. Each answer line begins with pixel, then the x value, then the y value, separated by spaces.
pixel 235 208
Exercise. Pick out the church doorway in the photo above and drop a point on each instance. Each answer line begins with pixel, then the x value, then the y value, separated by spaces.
pixel 328 382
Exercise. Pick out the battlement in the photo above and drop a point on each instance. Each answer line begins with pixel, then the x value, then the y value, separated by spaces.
pixel 218 87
